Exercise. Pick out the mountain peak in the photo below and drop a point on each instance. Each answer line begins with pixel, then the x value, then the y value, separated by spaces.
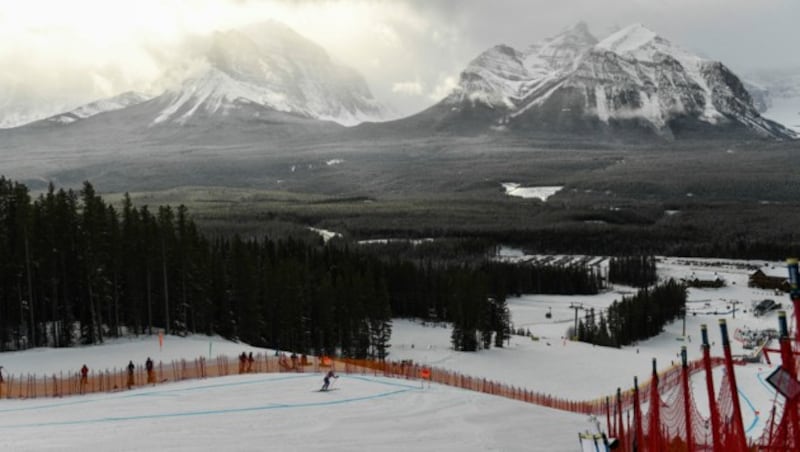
pixel 629 39
pixel 560 51
pixel 634 81
pixel 268 65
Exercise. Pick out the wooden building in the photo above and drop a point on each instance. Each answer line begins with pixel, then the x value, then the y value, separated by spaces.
pixel 760 279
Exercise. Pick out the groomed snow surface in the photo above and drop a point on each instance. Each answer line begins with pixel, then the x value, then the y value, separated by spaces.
pixel 284 411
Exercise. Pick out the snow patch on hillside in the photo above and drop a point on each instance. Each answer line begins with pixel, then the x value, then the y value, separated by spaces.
pixel 542 193
pixel 325 234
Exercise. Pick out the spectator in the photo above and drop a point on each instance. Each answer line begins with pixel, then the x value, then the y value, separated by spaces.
pixel 151 374
pixel 250 361
pixel 84 378
pixel 284 363
pixel 242 362
pixel 131 368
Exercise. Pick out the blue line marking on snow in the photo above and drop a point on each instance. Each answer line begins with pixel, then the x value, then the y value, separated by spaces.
pixel 763 382
pixel 272 406
pixel 220 385
pixel 152 393
pixel 51 405
pixel 750 404
pixel 383 382
pixel 208 412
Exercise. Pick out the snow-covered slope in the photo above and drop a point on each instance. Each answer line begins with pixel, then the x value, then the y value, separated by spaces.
pixel 633 78
pixel 240 74
pixel 271 67
pixel 501 77
pixel 101 106
pixel 376 413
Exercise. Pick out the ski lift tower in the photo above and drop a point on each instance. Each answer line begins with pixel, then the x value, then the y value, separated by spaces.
pixel 576 307
pixel 794 294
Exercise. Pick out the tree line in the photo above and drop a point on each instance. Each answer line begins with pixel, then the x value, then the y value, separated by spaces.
pixel 75 269
pixel 636 271
pixel 634 318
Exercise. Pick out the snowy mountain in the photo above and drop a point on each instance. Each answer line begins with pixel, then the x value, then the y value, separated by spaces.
pixel 101 106
pixel 633 80
pixel 258 73
pixel 270 67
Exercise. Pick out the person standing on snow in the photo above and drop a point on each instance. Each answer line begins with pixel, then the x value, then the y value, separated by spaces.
pixel 84 378
pixel 327 380
pixel 151 375
pixel 131 368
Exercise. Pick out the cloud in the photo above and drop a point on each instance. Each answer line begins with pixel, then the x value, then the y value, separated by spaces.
pixel 445 86
pixel 408 50
pixel 408 88
pixel 388 35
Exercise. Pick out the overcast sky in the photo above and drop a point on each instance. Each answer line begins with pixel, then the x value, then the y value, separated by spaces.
pixel 63 52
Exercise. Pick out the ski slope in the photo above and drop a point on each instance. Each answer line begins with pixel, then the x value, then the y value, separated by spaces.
pixel 283 411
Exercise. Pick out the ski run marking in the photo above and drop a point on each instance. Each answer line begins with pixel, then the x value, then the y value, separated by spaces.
pixel 402 388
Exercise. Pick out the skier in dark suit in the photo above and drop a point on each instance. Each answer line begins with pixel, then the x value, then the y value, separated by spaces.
pixel 327 380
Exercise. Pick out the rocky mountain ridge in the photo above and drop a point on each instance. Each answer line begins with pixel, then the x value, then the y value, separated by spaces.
pixel 633 79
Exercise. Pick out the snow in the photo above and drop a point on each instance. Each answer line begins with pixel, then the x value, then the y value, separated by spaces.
pixel 101 106
pixel 633 63
pixel 243 412
pixel 325 234
pixel 215 91
pixel 628 40
pixel 395 240
pixel 542 193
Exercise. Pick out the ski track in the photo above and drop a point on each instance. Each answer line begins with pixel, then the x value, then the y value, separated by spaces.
pixel 168 392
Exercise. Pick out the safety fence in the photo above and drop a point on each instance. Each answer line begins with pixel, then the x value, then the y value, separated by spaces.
pixel 61 384
pixel 666 426
pixel 659 415
pixel 110 380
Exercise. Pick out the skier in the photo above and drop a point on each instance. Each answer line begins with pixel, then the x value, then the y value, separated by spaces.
pixel 151 375
pixel 327 380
